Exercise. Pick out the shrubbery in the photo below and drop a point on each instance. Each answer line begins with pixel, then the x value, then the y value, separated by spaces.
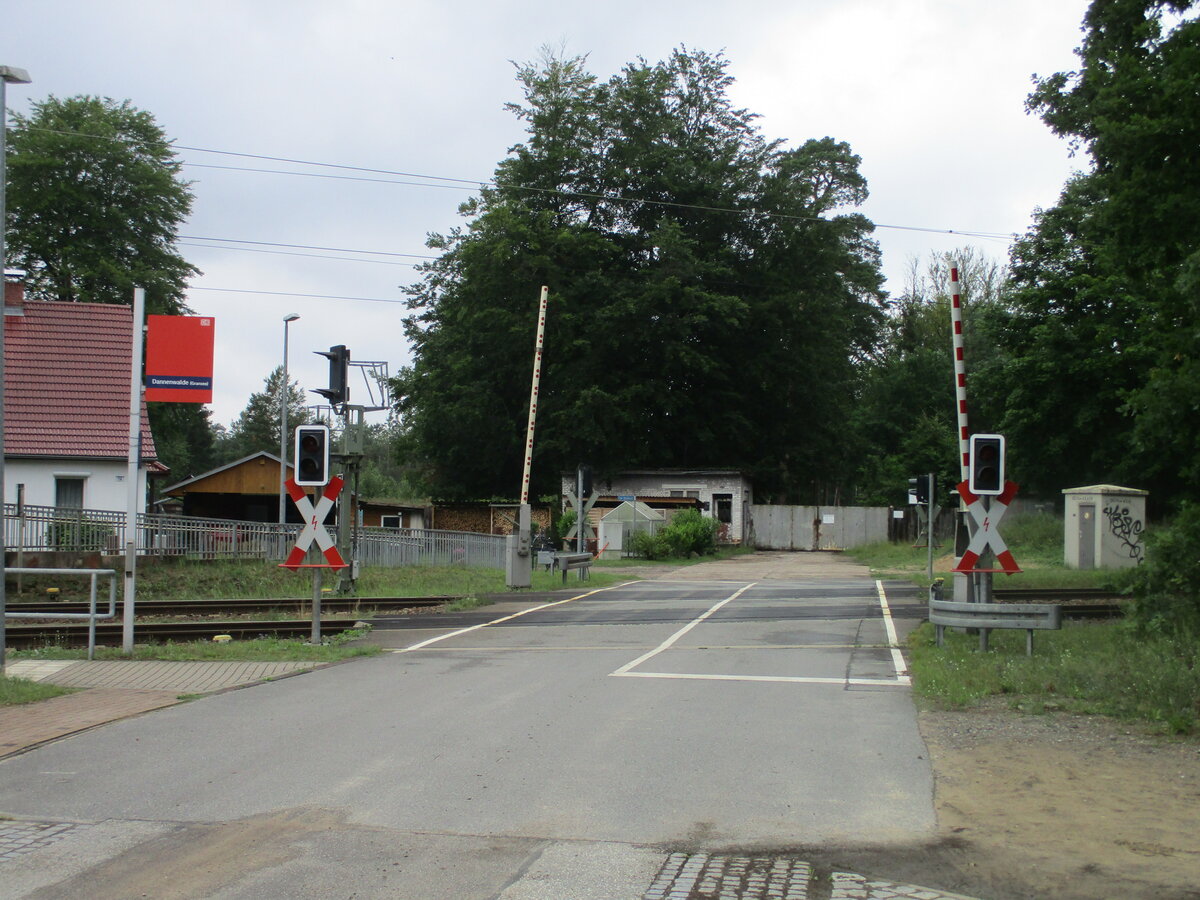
pixel 688 532
pixel 1166 587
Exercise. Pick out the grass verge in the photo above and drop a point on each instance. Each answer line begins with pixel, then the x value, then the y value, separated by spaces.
pixel 336 647
pixel 1036 541
pixel 1103 668
pixel 15 691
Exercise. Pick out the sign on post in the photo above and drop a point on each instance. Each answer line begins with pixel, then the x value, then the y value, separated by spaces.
pixel 987 535
pixel 179 359
pixel 314 527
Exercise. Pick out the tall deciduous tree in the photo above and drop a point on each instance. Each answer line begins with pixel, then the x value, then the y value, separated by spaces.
pixel 257 426
pixel 906 421
pixel 1105 383
pixel 710 293
pixel 95 201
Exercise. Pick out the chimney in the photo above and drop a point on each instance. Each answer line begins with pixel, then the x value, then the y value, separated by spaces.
pixel 14 292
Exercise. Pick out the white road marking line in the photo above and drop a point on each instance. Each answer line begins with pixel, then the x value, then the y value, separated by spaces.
pixel 901 679
pixel 517 615
pixel 682 631
pixel 784 679
pixel 893 642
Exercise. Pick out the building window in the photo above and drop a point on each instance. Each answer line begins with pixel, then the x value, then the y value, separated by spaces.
pixel 389 521
pixel 684 493
pixel 68 493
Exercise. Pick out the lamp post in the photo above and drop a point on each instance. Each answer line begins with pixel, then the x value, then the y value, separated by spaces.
pixel 283 411
pixel 8 75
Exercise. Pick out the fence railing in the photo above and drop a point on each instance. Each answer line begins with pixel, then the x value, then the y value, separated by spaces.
pixel 35 529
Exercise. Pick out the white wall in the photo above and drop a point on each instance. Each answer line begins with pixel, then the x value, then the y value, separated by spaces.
pixel 104 485
pixel 662 483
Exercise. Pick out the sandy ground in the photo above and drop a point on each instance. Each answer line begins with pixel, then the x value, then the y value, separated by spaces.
pixel 1065 806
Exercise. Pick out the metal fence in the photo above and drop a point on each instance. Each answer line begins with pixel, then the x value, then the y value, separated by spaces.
pixel 419 547
pixel 34 529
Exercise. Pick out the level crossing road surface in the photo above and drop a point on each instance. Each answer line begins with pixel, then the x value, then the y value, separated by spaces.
pixel 563 749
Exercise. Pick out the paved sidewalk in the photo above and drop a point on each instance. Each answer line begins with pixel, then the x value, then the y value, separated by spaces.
pixel 116 689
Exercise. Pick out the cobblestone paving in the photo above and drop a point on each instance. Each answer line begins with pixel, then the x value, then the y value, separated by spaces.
pixel 702 876
pixel 698 875
pixel 23 837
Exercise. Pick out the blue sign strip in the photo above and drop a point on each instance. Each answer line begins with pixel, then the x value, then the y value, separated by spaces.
pixel 180 382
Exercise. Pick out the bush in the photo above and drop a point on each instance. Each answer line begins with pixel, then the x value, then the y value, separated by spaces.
pixel 1166 587
pixel 688 532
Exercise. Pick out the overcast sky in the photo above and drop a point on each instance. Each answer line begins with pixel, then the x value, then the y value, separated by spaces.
pixel 930 93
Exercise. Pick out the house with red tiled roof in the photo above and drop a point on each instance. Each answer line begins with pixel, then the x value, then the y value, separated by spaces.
pixel 66 403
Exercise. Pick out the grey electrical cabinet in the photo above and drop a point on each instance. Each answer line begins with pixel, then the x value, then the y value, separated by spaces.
pixel 1103 527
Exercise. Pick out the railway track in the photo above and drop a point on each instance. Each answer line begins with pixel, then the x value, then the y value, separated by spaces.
pixel 201 626
pixel 1076 603
pixel 161 608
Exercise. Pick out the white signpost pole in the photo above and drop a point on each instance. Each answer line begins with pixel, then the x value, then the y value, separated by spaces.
pixel 131 477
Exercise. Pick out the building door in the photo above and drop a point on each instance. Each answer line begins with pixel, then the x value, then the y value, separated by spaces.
pixel 1087 536
pixel 723 508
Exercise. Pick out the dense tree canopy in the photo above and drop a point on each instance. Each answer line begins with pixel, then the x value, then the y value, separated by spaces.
pixel 1104 381
pixel 905 421
pixel 710 292
pixel 94 203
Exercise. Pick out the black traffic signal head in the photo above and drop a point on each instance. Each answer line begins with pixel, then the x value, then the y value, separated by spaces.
pixel 987 464
pixel 918 489
pixel 339 364
pixel 312 455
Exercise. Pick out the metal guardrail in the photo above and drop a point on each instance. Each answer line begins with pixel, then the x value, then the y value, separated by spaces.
pixel 580 561
pixel 986 616
pixel 91 615
pixel 41 528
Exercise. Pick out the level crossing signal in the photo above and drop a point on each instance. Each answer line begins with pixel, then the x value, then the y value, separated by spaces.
pixel 918 490
pixel 312 455
pixel 986 464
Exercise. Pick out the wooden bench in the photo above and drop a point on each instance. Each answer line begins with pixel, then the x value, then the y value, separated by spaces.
pixel 580 561
pixel 986 616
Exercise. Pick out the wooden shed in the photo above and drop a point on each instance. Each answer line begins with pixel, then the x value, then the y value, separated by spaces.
pixel 246 489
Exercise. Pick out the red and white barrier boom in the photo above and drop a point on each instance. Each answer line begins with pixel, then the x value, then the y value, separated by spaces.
pixel 987 519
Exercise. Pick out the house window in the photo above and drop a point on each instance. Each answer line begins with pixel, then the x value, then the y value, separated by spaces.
pixel 684 493
pixel 68 493
pixel 390 521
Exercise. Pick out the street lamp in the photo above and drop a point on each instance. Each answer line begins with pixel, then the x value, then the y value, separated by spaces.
pixel 283 409
pixel 8 75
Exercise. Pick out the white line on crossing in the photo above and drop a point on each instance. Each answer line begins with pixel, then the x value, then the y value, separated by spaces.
pixel 901 678
pixel 516 615
pixel 682 631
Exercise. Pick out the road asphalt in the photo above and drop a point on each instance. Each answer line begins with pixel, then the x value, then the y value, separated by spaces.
pixel 507 708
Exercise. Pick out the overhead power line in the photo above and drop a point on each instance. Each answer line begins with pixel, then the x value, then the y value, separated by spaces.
pixel 463 183
pixel 296 294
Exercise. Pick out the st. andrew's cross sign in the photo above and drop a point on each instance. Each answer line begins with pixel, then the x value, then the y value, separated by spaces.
pixel 314 527
pixel 987 518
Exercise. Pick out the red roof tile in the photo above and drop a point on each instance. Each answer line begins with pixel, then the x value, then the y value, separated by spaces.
pixel 66 381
